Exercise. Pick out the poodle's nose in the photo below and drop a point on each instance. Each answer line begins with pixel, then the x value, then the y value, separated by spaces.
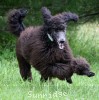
pixel 62 41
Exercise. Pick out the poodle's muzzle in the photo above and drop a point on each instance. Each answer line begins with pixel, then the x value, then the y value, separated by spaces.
pixel 61 38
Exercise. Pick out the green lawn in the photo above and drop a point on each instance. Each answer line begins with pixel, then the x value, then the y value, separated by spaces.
pixel 84 41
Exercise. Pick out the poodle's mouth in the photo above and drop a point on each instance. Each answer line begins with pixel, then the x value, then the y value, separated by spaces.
pixel 61 45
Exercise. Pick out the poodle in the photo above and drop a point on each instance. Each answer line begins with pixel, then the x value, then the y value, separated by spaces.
pixel 45 47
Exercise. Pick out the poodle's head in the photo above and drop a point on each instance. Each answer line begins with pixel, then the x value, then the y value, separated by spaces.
pixel 56 25
pixel 82 67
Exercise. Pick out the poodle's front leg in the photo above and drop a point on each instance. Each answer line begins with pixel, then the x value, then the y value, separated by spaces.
pixel 69 80
pixel 43 79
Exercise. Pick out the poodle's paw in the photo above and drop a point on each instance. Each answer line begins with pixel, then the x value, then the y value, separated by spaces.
pixel 69 81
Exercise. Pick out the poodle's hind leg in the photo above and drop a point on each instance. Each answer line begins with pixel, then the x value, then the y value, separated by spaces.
pixel 25 68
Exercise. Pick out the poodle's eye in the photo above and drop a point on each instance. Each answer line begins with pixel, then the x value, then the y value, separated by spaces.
pixel 64 30
pixel 53 28
pixel 57 30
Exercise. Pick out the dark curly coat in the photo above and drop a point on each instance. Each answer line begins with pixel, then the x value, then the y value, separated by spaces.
pixel 44 47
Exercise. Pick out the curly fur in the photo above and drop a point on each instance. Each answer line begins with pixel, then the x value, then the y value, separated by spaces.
pixel 34 47
pixel 15 18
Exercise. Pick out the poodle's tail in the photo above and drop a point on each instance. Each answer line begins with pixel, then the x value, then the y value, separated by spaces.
pixel 15 18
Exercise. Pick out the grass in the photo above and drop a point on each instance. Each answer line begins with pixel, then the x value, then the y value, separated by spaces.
pixel 84 41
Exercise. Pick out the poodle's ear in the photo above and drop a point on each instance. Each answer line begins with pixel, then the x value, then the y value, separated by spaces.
pixel 46 14
pixel 68 16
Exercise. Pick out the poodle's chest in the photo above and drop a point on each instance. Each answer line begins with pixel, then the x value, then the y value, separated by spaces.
pixel 49 57
pixel 40 55
pixel 57 55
